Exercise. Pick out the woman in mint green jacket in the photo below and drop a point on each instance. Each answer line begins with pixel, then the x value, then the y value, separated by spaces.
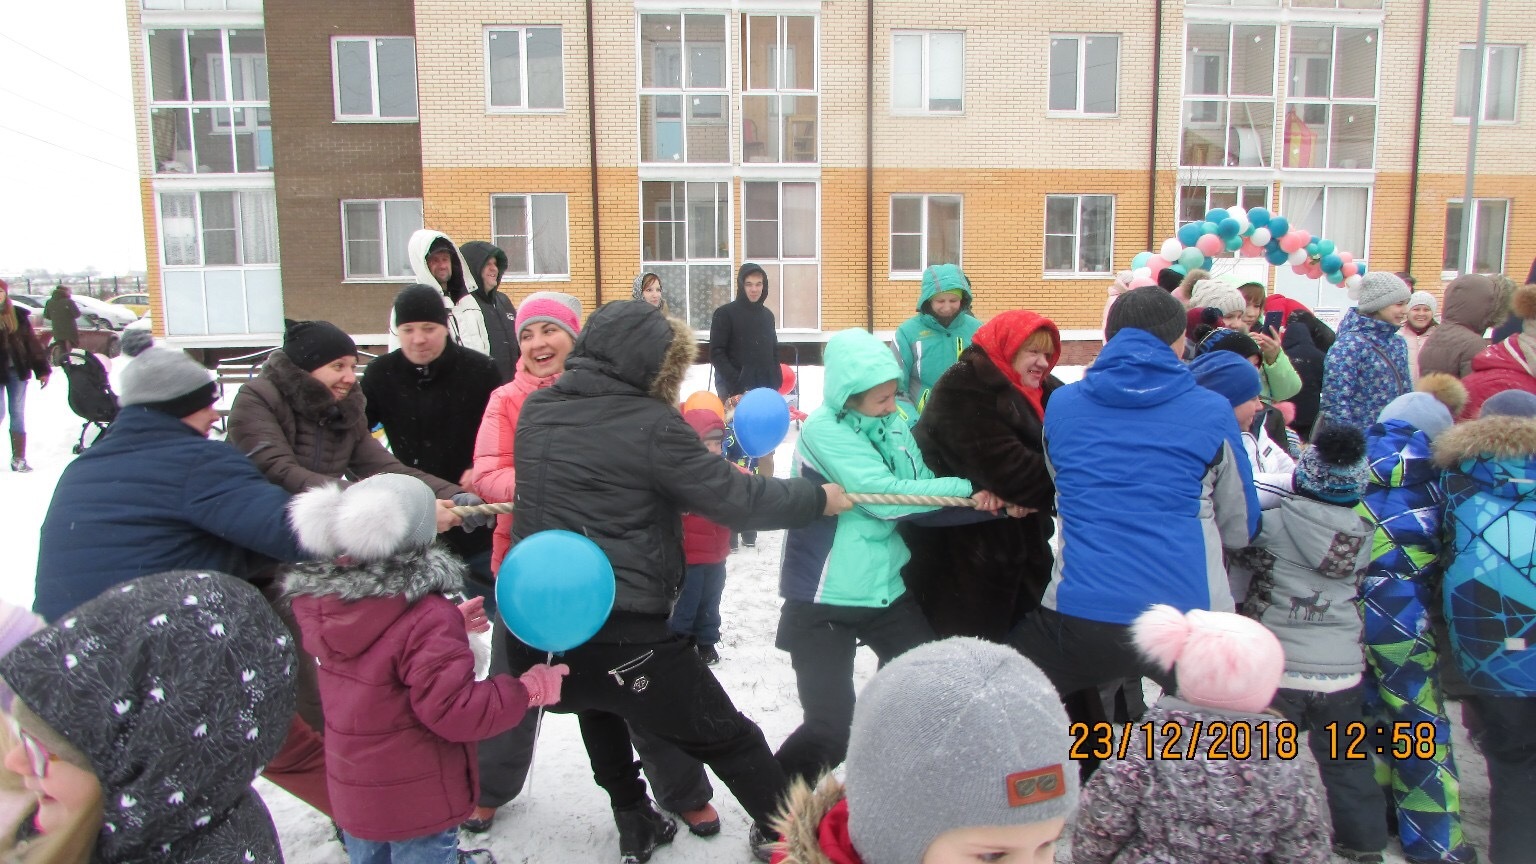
pixel 932 340
pixel 841 576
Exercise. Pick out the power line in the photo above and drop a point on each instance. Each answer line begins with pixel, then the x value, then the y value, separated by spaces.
pixel 68 149
pixel 69 69
pixel 118 135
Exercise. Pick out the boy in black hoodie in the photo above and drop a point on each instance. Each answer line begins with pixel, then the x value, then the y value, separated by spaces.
pixel 744 347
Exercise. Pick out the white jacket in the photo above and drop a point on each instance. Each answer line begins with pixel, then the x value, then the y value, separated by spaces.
pixel 1272 468
pixel 466 323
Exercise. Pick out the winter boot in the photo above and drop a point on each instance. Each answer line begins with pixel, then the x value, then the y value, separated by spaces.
pixel 764 841
pixel 708 654
pixel 641 830
pixel 19 452
pixel 703 822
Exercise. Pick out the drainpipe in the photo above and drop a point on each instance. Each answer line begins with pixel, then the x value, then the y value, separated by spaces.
pixel 597 218
pixel 1157 100
pixel 1418 134
pixel 869 164
pixel 1468 203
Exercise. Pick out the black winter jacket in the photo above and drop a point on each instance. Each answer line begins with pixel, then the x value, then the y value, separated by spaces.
pixel 1301 345
pixel 605 453
pixel 744 342
pixel 500 315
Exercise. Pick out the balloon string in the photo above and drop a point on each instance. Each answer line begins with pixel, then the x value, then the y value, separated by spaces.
pixel 855 497
pixel 538 725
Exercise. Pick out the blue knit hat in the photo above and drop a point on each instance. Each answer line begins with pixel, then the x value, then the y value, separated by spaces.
pixel 1419 410
pixel 1333 469
pixel 1227 373
pixel 1510 403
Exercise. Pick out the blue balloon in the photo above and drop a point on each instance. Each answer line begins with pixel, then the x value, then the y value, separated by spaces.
pixel 555 590
pixel 1140 260
pixel 1361 265
pixel 1191 232
pixel 1229 228
pixel 1258 217
pixel 1276 256
pixel 761 422
pixel 1208 263
pixel 1278 226
pixel 1216 215
pixel 1331 263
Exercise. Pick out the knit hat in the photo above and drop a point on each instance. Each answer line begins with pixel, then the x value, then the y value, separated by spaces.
pixel 312 344
pixel 1333 469
pixel 1215 293
pixel 1228 374
pixel 1168 279
pixel 1423 298
pixel 1227 339
pixel 705 422
pixel 1419 410
pixel 1220 660
pixel 1151 309
pixel 561 310
pixel 371 520
pixel 954 734
pixel 1510 403
pixel 1379 289
pixel 420 304
pixel 164 378
pixel 16 624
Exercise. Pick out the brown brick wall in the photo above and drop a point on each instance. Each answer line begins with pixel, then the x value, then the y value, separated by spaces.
pixel 319 162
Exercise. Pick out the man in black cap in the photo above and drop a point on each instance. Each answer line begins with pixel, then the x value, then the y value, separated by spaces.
pixel 430 394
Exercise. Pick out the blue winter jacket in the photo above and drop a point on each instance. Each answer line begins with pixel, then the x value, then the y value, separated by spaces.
pixel 1151 484
pixel 151 496
pixel 1404 502
pixel 1366 368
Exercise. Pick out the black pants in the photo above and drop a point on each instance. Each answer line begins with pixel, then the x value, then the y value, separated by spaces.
pixel 821 641
pixel 1355 800
pixel 656 682
pixel 677 780
pixel 1509 745
pixel 1082 654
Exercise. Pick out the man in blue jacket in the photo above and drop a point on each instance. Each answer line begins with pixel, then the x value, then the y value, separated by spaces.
pixel 1151 485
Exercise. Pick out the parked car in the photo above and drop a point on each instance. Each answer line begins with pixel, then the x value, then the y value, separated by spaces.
pixel 95 336
pixel 116 317
pixel 139 303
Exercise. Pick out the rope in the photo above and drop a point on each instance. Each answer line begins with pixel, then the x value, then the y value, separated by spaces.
pixel 855 497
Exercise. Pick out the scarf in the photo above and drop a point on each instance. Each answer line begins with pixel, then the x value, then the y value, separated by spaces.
pixel 1002 337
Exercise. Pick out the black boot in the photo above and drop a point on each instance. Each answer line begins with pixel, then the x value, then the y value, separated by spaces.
pixel 763 841
pixel 641 830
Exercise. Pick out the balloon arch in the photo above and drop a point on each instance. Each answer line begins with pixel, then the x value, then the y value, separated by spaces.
pixel 1255 233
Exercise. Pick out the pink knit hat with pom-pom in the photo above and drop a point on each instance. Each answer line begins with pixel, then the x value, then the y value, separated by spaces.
pixel 1221 660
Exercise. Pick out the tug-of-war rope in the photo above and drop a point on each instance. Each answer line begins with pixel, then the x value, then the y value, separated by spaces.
pixel 857 498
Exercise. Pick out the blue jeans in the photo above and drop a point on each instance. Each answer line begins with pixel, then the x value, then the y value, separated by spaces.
pixel 697 613
pixel 16 399
pixel 442 848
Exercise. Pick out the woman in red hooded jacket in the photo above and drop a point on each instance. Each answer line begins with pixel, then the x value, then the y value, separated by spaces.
pixel 1506 365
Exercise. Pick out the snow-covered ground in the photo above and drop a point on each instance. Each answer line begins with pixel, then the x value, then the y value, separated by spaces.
pixel 563 816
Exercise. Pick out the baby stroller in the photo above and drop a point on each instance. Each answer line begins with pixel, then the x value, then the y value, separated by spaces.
pixel 90 394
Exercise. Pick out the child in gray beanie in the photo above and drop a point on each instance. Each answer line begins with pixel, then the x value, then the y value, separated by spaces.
pixel 958 753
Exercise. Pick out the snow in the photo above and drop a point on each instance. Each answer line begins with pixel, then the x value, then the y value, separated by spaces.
pixel 562 815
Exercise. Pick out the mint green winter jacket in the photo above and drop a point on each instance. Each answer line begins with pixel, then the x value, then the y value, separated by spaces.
pixel 927 347
pixel 871 455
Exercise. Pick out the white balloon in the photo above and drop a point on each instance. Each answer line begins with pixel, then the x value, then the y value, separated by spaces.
pixel 1298 257
pixel 1353 282
pixel 1171 248
pixel 1142 273
pixel 1260 236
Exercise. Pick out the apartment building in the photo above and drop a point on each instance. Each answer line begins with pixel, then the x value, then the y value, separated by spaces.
pixel 288 150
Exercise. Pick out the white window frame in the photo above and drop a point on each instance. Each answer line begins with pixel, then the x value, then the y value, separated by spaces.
pixel 218 74
pixel 683 91
pixel 373 81
pixel 1332 101
pixel 491 31
pixel 1077 237
pixel 907 275
pixel 779 259
pixel 1456 88
pixel 528 202
pixel 1208 185
pixel 1469 245
pixel 1082 78
pixel 1227 97
pixel 687 261
pixel 924 95
pixel 779 91
pixel 346 254
pixel 196 191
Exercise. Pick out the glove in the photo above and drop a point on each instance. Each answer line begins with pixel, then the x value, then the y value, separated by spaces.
pixel 478 520
pixel 543 683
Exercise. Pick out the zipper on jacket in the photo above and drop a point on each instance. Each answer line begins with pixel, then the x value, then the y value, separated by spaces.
pixel 619 671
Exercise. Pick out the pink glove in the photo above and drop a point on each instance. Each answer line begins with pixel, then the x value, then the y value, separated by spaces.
pixel 475 620
pixel 543 683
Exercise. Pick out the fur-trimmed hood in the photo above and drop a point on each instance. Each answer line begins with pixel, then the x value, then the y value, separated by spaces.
pixel 800 824
pixel 307 397
pixel 351 606
pixel 1501 438
pixel 633 342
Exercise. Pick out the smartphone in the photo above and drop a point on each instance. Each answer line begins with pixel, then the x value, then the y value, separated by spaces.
pixel 1272 321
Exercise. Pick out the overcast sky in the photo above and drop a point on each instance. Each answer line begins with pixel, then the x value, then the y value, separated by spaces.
pixel 71 199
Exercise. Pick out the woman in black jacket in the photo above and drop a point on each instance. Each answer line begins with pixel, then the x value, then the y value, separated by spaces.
pixel 21 357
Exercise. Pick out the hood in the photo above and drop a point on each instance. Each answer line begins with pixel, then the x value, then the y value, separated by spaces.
pixel 1313 528
pixel 1506 356
pixel 1477 302
pixel 1397 454
pixel 1508 439
pixel 177 688
pixel 475 254
pixel 814 825
pixel 1136 370
pixel 940 278
pixel 1374 329
pixel 855 360
pixel 307 397
pixel 704 421
pixel 746 270
pixel 349 627
pixel 416 251
pixel 634 342
pixel 1299 336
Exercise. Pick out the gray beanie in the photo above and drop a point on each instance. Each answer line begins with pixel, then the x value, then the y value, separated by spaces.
pixel 1421 411
pixel 1510 403
pixel 1379 289
pixel 1423 298
pixel 1151 309
pixel 955 734
pixel 164 378
pixel 1214 293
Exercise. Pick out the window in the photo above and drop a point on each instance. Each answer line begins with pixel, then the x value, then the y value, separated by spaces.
pixel 1490 225
pixel 780 232
pixel 1079 233
pixel 1196 201
pixel 1085 74
pixel 1229 95
pixel 531 229
pixel 925 229
pixel 208 110
pixel 684 96
pixel 1501 77
pixel 219 248
pixel 685 236
pixel 374 78
pixel 1330 109
pixel 1339 213
pixel 779 99
pixel 1331 4
pixel 374 236
pixel 928 72
pixel 524 70
pixel 254 5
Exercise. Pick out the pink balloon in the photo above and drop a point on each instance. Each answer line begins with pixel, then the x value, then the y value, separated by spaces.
pixel 1249 250
pixel 1303 236
pixel 1299 269
pixel 1211 244
pixel 1346 257
pixel 1290 242
pixel 1351 269
pixel 1315 270
pixel 1157 264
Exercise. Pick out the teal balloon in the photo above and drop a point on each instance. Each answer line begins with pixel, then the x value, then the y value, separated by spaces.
pixel 1331 264
pixel 1312 250
pixel 1335 277
pixel 761 422
pixel 1215 214
pixel 1191 257
pixel 1229 228
pixel 1190 233
pixel 1276 256
pixel 1234 244
pixel 1141 260
pixel 1208 263
pixel 1278 226
pixel 1361 266
pixel 1208 228
pixel 1258 217
pixel 555 590
pixel 1179 269
pixel 1325 247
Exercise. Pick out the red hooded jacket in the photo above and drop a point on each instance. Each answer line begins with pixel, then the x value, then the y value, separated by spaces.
pixel 1501 366
pixel 704 542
